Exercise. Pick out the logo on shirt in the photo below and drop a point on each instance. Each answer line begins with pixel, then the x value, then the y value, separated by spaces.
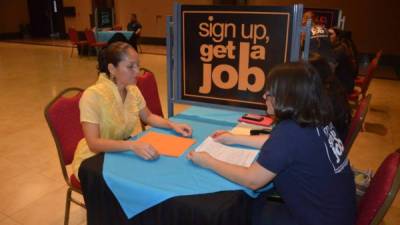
pixel 334 149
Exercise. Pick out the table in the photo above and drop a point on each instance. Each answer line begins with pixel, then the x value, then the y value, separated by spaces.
pixel 104 36
pixel 222 207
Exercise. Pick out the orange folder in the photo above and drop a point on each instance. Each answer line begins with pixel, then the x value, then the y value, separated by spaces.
pixel 165 144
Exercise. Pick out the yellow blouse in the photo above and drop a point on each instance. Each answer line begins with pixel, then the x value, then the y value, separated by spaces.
pixel 102 104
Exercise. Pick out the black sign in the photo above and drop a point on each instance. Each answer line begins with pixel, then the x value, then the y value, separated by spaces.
pixel 104 17
pixel 227 52
pixel 325 17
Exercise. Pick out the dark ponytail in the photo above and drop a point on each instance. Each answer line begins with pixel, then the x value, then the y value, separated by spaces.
pixel 113 53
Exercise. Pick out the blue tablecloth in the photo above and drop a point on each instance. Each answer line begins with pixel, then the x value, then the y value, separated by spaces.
pixel 138 184
pixel 104 36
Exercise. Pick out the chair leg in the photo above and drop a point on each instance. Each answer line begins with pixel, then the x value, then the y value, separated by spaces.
pixel 67 206
pixel 97 51
pixel 72 50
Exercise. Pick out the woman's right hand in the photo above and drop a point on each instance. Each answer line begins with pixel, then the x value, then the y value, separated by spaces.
pixel 144 150
pixel 224 137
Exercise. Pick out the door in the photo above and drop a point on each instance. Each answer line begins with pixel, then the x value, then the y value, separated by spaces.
pixel 46 18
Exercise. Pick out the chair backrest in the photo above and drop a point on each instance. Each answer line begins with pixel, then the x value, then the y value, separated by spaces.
pixel 117 27
pixel 370 72
pixel 89 34
pixel 147 84
pixel 381 192
pixel 73 35
pixel 357 122
pixel 63 118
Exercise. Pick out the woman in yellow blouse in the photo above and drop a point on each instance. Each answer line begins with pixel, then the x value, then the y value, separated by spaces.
pixel 110 109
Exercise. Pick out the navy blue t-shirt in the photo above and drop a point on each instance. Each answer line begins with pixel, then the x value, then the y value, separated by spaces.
pixel 313 175
pixel 134 26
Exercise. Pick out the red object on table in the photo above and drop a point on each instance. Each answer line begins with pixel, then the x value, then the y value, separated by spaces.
pixel 266 122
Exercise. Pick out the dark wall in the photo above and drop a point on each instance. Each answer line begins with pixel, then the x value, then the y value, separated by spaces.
pixel 45 18
pixel 375 24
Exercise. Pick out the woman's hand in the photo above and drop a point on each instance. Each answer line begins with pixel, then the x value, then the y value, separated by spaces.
pixel 202 159
pixel 181 128
pixel 144 150
pixel 224 137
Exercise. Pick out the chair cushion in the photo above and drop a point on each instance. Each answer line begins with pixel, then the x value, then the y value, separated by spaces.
pixel 378 189
pixel 99 44
pixel 75 182
pixel 354 96
pixel 359 81
pixel 82 43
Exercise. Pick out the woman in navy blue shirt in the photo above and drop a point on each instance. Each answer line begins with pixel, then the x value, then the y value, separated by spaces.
pixel 303 156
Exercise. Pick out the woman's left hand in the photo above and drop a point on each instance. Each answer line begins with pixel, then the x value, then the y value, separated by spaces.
pixel 182 128
pixel 202 159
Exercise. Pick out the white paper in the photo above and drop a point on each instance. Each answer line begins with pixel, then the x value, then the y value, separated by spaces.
pixel 229 154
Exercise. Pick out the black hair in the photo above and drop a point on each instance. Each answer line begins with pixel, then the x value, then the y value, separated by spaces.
pixel 298 94
pixel 117 37
pixel 134 14
pixel 114 54
pixel 339 33
pixel 341 117
pixel 325 71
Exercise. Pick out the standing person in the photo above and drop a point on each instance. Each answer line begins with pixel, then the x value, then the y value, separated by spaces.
pixel 346 69
pixel 319 39
pixel 353 52
pixel 308 15
pixel 110 109
pixel 319 43
pixel 136 28
pixel 303 156
pixel 134 25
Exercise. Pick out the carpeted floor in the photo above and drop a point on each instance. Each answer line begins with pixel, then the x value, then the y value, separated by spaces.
pixel 383 72
pixel 143 48
pixel 386 72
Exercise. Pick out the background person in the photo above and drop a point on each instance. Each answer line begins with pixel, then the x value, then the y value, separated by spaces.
pixel 303 156
pixel 110 109
pixel 319 39
pixel 136 27
pixel 346 69
pixel 336 93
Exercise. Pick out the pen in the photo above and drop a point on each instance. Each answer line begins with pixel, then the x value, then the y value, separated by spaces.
pixel 258 132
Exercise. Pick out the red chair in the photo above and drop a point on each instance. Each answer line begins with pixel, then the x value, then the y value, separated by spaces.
pixel 363 82
pixel 371 67
pixel 92 40
pixel 381 192
pixel 357 123
pixel 117 27
pixel 73 37
pixel 147 84
pixel 63 118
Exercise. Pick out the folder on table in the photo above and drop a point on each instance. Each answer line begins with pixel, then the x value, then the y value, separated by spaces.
pixel 168 145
